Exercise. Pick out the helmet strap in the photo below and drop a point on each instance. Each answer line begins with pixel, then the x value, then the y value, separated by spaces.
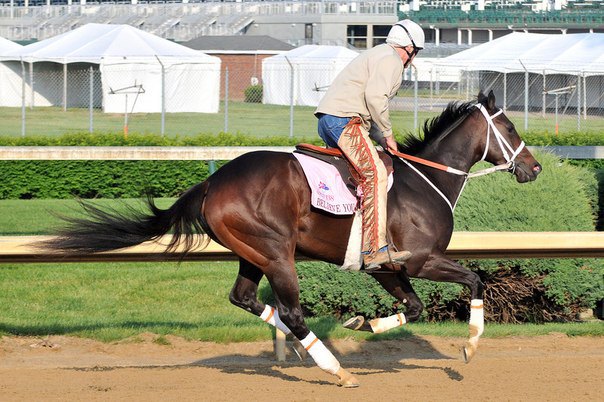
pixel 409 35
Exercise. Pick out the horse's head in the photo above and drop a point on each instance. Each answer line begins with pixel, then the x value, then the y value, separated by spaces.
pixel 502 144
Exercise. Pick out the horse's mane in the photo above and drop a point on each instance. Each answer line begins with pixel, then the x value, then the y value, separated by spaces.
pixel 436 127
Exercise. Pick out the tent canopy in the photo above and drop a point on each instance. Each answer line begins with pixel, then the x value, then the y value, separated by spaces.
pixel 93 42
pixel 10 87
pixel 308 70
pixel 535 53
pixel 164 75
pixel 7 45
pixel 315 54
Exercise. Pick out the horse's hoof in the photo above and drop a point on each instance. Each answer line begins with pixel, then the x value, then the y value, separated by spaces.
pixel 346 380
pixel 355 323
pixel 468 352
pixel 299 350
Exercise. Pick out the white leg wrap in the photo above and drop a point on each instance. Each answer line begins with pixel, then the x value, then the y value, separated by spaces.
pixel 320 354
pixel 379 325
pixel 270 315
pixel 476 320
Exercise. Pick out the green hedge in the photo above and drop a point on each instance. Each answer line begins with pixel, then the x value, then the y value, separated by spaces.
pixel 253 94
pixel 577 138
pixel 135 139
pixel 111 179
pixel 98 179
pixel 519 290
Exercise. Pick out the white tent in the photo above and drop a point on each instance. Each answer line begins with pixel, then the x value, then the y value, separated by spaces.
pixel 569 66
pixel 11 86
pixel 132 63
pixel 308 70
pixel 536 53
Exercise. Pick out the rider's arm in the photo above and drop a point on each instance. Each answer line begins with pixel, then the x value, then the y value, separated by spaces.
pixel 385 77
pixel 388 143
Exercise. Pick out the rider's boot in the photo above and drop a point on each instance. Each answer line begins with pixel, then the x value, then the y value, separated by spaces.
pixel 374 261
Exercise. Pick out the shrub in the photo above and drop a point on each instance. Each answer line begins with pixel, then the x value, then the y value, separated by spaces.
pixel 520 290
pixel 253 94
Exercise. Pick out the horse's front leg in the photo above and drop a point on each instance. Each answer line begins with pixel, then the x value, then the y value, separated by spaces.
pixel 399 286
pixel 441 269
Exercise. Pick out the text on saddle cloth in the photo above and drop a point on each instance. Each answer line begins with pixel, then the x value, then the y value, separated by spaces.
pixel 328 191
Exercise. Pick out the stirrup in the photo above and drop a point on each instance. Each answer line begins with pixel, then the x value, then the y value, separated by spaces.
pixel 385 257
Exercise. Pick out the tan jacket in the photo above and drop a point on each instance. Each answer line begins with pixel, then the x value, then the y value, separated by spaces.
pixel 365 87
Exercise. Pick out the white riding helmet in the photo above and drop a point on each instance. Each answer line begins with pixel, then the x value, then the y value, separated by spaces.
pixel 405 33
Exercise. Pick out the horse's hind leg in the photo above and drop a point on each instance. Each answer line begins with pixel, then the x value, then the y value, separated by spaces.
pixel 399 286
pixel 245 295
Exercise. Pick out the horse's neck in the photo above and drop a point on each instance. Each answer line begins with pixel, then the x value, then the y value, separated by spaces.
pixel 458 149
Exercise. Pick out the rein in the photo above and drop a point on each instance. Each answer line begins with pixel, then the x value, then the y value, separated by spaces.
pixel 504 146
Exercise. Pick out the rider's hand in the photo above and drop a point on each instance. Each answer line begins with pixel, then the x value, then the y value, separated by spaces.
pixel 391 144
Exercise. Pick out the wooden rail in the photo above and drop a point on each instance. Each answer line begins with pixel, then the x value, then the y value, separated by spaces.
pixel 18 249
pixel 204 153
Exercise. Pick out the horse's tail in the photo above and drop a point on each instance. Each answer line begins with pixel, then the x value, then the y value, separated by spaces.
pixel 112 229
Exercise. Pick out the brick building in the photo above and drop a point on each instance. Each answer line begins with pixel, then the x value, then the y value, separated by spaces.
pixel 242 55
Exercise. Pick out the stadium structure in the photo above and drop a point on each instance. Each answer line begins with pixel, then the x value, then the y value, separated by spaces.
pixel 356 24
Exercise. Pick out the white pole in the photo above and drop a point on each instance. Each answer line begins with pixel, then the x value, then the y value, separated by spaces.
pixel 163 96
pixel 280 345
pixel 64 87
pixel 22 98
pixel 415 97
pixel 226 99
pixel 584 96
pixel 31 83
pixel 544 94
pixel 505 92
pixel 291 99
pixel 90 98
pixel 526 95
pixel 579 102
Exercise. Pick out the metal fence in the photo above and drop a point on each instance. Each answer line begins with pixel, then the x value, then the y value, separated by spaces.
pixel 52 98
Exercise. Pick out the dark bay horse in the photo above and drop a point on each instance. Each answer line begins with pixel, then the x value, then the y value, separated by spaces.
pixel 258 205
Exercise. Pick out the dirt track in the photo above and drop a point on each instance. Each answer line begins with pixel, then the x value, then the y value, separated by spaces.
pixel 549 368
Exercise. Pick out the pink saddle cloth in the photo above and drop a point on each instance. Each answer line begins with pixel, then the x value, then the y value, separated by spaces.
pixel 328 191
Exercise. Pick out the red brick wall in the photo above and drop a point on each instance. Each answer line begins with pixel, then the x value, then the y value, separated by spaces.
pixel 242 67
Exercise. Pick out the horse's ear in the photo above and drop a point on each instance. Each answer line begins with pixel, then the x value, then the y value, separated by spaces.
pixel 491 100
pixel 481 98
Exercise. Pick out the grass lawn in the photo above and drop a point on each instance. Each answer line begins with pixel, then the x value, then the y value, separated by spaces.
pixel 38 217
pixel 252 119
pixel 113 301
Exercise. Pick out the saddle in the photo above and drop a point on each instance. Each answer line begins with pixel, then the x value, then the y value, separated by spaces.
pixel 337 159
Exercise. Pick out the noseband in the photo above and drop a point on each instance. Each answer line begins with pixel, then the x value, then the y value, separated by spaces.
pixel 504 146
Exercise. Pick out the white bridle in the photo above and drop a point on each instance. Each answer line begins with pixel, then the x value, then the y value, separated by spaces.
pixel 508 152
pixel 504 146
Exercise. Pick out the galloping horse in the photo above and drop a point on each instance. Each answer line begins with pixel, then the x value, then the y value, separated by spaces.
pixel 258 205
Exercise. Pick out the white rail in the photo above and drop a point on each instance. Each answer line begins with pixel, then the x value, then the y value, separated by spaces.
pixel 206 153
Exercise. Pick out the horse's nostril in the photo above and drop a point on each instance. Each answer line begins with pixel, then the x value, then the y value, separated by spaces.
pixel 537 168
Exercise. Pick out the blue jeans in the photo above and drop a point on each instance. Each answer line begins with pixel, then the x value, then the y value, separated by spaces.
pixel 331 127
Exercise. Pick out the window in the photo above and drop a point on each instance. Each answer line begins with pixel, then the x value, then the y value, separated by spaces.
pixel 356 35
pixel 308 34
pixel 380 33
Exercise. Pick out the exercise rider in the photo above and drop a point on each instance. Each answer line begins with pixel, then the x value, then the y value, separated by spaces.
pixel 357 105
